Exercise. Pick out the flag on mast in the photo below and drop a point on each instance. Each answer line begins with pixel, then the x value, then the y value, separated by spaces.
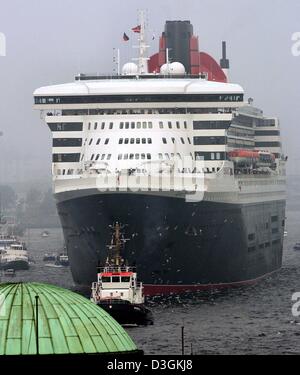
pixel 125 37
pixel 136 29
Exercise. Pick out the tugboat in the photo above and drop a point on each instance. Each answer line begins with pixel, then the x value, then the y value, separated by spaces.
pixel 62 260
pixel 117 289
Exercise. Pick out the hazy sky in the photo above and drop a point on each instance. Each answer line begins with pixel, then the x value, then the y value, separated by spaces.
pixel 50 41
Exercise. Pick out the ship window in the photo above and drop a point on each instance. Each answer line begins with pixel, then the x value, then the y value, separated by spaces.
pixel 126 125
pixel 92 158
pixel 91 140
pixel 89 127
pixel 125 156
pixel 115 279
pixel 98 141
pixel 173 140
pixel 121 125
pixel 144 125
pixel 274 219
pixel 150 125
pixel 125 279
pixel 138 125
pixel 251 236
pixel 120 157
pixel 132 125
pixel 138 141
pixel 120 141
pixel 106 141
pixel 111 124
pixel 103 125
pixel 160 156
pixel 149 140
pixel 131 156
pixel 170 124
pixel 102 156
pixel 189 140
pixel 212 156
pixel 108 157
pixel 161 125
pixel 164 140
pixel 182 140
pixel 167 156
pixel 144 140
pixel 185 125
pixel 149 156
pixel 177 124
pixel 251 249
pixel 143 156
pixel 97 157
pixel 106 279
pixel 137 156
pixel 96 125
pixel 179 156
pixel 126 141
pixel 131 141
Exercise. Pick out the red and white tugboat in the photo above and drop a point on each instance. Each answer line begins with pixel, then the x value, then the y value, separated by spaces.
pixel 117 289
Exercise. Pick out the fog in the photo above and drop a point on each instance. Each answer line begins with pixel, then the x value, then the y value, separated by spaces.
pixel 50 42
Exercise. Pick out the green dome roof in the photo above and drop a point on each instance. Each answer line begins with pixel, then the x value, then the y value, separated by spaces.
pixel 67 323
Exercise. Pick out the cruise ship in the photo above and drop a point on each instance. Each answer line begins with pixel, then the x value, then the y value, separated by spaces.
pixel 172 149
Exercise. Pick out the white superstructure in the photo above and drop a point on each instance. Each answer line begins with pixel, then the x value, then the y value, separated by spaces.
pixel 112 126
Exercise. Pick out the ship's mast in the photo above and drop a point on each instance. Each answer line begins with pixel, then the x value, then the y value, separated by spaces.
pixel 117 241
pixel 143 46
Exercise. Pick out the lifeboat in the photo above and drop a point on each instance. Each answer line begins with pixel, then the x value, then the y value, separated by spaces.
pixel 251 158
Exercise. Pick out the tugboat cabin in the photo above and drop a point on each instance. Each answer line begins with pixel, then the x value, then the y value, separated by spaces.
pixel 122 285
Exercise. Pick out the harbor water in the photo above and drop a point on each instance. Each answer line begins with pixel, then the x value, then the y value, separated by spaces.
pixel 250 320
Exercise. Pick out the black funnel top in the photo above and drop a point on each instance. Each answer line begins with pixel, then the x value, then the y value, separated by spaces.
pixel 177 34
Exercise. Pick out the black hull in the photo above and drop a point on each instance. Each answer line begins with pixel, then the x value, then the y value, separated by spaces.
pixel 127 313
pixel 174 243
pixel 16 265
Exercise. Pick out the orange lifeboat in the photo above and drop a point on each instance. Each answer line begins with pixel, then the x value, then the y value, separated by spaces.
pixel 251 158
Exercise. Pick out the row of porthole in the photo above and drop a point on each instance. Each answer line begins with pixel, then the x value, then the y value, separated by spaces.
pixel 136 125
pixel 137 141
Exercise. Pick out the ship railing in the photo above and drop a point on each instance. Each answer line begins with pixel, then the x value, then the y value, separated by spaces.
pixel 117 269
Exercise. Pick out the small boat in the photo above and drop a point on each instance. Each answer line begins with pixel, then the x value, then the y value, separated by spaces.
pixel 45 234
pixel 49 257
pixel 118 290
pixel 62 260
pixel 15 257
pixel 297 246
pixel 10 272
